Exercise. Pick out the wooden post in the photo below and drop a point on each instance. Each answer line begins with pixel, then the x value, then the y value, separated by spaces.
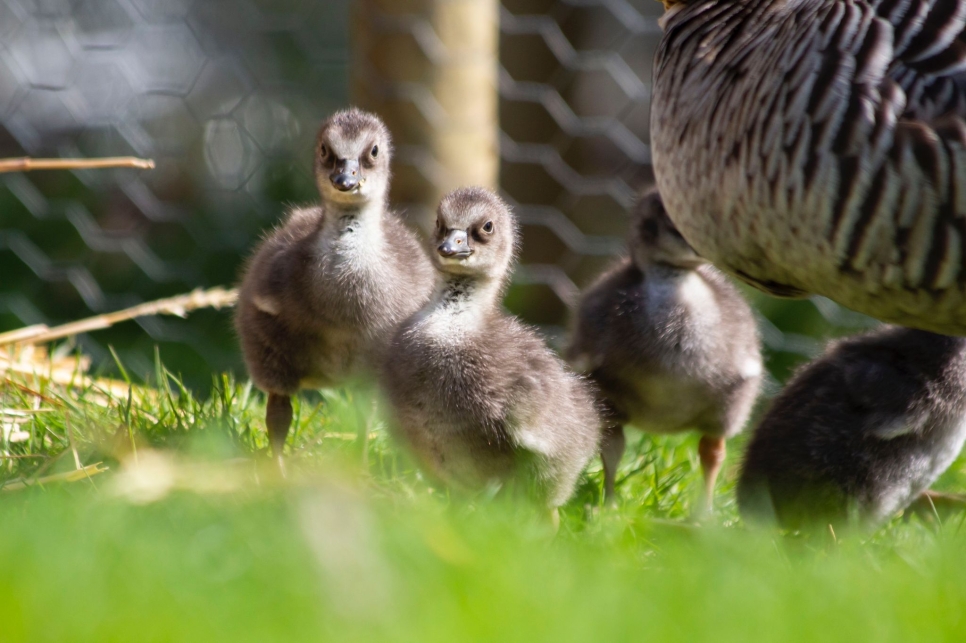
pixel 430 69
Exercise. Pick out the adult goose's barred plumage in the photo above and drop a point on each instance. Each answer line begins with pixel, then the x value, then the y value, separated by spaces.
pixel 819 146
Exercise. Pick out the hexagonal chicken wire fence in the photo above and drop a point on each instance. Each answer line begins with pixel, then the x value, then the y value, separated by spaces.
pixel 225 95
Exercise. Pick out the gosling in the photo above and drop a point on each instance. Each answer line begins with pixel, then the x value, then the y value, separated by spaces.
pixel 859 434
pixel 478 396
pixel 670 343
pixel 324 292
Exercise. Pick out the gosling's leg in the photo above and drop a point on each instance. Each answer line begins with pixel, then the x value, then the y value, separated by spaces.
pixel 712 454
pixel 612 447
pixel 364 425
pixel 942 499
pixel 278 419
pixel 932 505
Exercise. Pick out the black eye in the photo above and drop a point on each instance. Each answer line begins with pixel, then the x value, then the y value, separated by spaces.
pixel 323 151
pixel 651 228
pixel 488 227
pixel 375 151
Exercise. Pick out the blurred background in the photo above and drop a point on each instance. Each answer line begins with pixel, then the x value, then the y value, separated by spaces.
pixel 548 100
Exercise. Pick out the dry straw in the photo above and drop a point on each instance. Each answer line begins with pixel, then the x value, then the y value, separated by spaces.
pixel 27 164
pixel 179 306
pixel 21 350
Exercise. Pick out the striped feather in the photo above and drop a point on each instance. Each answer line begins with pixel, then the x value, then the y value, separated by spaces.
pixel 840 119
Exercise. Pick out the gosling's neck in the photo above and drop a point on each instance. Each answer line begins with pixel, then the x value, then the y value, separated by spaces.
pixel 460 307
pixel 353 236
pixel 353 217
pixel 463 293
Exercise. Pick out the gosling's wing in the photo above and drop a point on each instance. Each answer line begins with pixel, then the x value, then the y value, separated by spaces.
pixel 278 260
pixel 885 395
pixel 593 324
pixel 583 353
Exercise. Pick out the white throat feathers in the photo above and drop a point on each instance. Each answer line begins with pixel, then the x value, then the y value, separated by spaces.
pixel 354 235
pixel 459 307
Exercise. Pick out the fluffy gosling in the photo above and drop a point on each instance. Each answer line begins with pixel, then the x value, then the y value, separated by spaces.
pixel 324 292
pixel 479 398
pixel 670 343
pixel 858 434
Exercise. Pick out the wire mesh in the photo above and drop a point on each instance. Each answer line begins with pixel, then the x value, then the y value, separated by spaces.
pixel 226 96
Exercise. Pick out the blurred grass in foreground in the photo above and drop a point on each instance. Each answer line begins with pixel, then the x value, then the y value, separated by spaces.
pixel 192 537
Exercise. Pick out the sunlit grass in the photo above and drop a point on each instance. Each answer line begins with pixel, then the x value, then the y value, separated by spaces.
pixel 192 535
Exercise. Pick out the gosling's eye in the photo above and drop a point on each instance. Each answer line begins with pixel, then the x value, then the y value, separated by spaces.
pixel 375 151
pixel 323 151
pixel 488 227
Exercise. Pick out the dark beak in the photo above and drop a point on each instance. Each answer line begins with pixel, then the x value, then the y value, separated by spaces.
pixel 455 245
pixel 346 175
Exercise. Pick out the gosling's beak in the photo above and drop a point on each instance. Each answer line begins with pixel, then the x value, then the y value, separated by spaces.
pixel 692 259
pixel 346 175
pixel 455 245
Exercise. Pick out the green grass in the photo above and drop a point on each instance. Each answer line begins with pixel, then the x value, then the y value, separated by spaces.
pixel 192 537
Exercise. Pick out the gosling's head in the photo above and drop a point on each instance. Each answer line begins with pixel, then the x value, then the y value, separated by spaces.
pixel 352 155
pixel 655 240
pixel 476 234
